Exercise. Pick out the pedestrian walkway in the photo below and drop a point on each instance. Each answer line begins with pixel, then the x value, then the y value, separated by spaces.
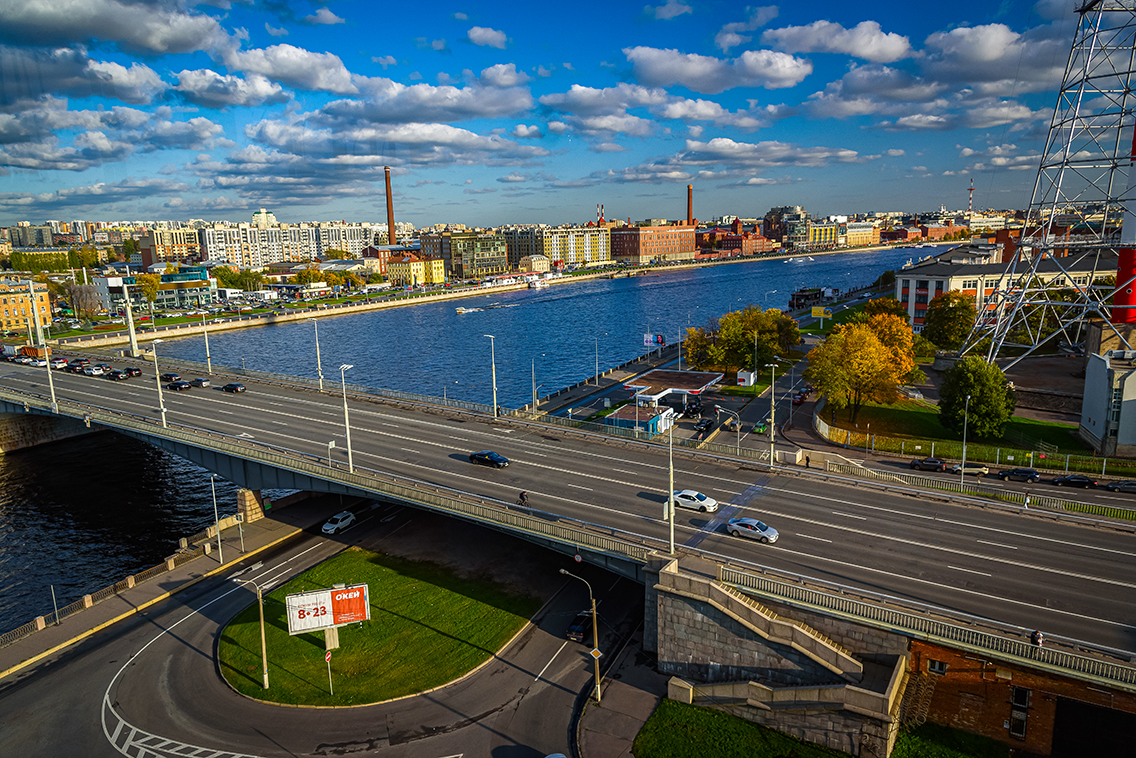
pixel 632 691
pixel 20 657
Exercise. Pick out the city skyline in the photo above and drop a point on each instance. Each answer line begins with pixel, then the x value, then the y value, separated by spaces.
pixel 513 114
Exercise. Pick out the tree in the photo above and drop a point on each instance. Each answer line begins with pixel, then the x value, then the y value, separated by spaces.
pixel 949 319
pixel 129 248
pixel 880 305
pixel 335 255
pixel 748 338
pixel 992 401
pixel 852 366
pixel 895 334
pixel 148 285
pixel 84 300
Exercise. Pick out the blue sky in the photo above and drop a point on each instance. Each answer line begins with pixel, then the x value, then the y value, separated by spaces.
pixel 494 113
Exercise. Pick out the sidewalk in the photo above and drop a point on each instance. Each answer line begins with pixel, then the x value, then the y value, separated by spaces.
pixel 633 690
pixel 259 536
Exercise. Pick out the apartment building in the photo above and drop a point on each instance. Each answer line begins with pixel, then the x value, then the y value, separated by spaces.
pixel 467 254
pixel 24 304
pixel 637 245
pixel 170 246
pixel 409 270
pixel 189 286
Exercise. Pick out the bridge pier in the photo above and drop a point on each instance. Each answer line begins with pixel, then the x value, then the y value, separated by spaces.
pixel 22 430
pixel 250 505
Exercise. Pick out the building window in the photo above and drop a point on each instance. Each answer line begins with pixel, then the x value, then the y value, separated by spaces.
pixel 936 667
pixel 1019 711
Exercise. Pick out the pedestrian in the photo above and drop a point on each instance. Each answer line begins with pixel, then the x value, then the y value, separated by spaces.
pixel 1037 638
pixel 806 461
pixel 978 476
pixel 1027 501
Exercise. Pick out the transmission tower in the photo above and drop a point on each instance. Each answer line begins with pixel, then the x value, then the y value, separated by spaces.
pixel 1071 242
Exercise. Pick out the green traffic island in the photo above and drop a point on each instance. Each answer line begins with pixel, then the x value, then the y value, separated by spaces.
pixel 677 730
pixel 428 627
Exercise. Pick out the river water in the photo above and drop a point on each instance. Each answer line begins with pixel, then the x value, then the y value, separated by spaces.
pixel 84 513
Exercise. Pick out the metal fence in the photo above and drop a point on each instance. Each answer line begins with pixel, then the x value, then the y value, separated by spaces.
pixel 927 625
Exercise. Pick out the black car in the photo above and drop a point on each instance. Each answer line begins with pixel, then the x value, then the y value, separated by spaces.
pixel 1020 474
pixel 704 426
pixel 489 458
pixel 1075 480
pixel 580 630
pixel 1125 486
pixel 132 371
pixel 170 377
pixel 929 464
pixel 77 365
pixel 233 387
pixel 117 376
pixel 179 386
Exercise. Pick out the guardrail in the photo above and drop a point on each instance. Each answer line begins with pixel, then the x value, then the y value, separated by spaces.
pixel 926 626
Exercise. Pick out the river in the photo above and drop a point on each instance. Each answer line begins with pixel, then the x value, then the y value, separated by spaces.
pixel 83 513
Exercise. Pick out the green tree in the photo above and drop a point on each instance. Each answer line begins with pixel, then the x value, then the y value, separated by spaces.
pixel 949 319
pixel 335 255
pixel 852 366
pixel 880 305
pixel 148 285
pixel 991 399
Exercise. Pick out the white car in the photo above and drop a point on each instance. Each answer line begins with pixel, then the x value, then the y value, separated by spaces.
pixel 339 522
pixel 752 528
pixel 94 371
pixel 695 501
pixel 41 362
pixel 58 363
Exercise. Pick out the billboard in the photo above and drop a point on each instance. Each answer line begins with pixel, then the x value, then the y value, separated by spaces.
pixel 320 609
pixel 819 312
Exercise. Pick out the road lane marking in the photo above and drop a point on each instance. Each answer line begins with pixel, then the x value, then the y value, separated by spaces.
pixel 579 486
pixel 849 515
pixel 810 537
pixel 997 544
pixel 550 660
pixel 969 571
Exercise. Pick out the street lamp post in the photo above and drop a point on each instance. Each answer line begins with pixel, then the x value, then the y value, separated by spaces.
pixel 158 379
pixel 965 418
pixel 597 339
pixel 534 380
pixel 319 364
pixel 216 518
pixel 346 420
pixel 208 357
pixel 595 628
pixel 493 368
pixel 263 645
pixel 130 321
pixel 671 481
pixel 738 419
pixel 772 410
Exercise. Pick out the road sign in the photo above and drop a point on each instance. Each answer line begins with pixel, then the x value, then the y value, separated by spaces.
pixel 822 312
pixel 320 609
pixel 578 557
pixel 596 653
pixel 328 656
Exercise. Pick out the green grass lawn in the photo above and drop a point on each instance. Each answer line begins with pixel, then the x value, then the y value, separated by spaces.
pixel 920 420
pixel 428 627
pixel 676 730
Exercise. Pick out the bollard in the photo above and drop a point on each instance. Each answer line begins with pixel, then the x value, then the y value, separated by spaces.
pixel 40 624
pixel 87 601
pixel 170 566
pixel 130 582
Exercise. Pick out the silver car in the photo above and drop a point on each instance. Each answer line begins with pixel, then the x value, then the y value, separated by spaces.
pixel 339 522
pixel 752 528
pixel 695 501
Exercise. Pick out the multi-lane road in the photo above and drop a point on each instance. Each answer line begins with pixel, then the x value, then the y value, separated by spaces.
pixel 1003 564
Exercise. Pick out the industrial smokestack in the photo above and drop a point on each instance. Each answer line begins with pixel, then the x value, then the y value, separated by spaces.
pixel 1124 301
pixel 392 237
pixel 690 205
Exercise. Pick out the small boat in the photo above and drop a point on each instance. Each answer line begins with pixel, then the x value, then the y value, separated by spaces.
pixel 459 309
pixel 538 284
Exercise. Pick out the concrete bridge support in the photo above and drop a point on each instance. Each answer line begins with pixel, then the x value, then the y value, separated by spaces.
pixel 19 430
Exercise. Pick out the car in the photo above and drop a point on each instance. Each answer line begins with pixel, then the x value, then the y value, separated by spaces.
pixel 929 464
pixel 1075 480
pixel 179 386
pixel 233 387
pixel 105 367
pixel 58 363
pixel 339 522
pixel 1020 474
pixel 24 359
pixel 731 425
pixel 132 371
pixel 170 377
pixel 199 382
pixel 94 370
pixel 580 630
pixel 1125 486
pixel 694 500
pixel 40 362
pixel 761 427
pixel 970 468
pixel 488 458
pixel 752 528
pixel 704 425
pixel 799 399
pixel 117 376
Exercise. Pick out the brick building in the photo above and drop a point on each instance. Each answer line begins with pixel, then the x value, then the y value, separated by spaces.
pixel 638 245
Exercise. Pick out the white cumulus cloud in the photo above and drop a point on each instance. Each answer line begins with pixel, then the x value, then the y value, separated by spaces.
pixel 865 40
pixel 707 75
pixel 731 35
pixel 486 37
pixel 323 17
pixel 295 67
pixel 672 9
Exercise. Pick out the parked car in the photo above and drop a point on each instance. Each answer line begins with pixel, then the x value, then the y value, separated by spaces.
pixel 132 371
pixel 339 522
pixel 1075 480
pixel 233 387
pixel 170 377
pixel 970 468
pixel 179 386
pixel 580 630
pixel 704 425
pixel 1020 475
pixel 752 528
pixel 488 458
pixel 199 382
pixel 1125 486
pixel 694 500
pixel 929 464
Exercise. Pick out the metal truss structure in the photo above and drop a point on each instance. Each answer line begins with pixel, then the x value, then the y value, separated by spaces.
pixel 1064 269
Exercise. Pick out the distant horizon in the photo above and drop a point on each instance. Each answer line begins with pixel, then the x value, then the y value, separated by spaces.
pixel 518 114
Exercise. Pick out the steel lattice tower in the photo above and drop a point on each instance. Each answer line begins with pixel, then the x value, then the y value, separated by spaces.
pixel 1085 187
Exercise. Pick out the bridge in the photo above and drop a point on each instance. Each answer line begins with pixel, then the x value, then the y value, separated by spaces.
pixel 825 614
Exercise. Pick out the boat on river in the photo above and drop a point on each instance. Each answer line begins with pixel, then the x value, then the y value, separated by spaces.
pixel 460 309
pixel 538 284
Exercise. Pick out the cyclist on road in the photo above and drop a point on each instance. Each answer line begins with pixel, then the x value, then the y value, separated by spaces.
pixel 524 499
